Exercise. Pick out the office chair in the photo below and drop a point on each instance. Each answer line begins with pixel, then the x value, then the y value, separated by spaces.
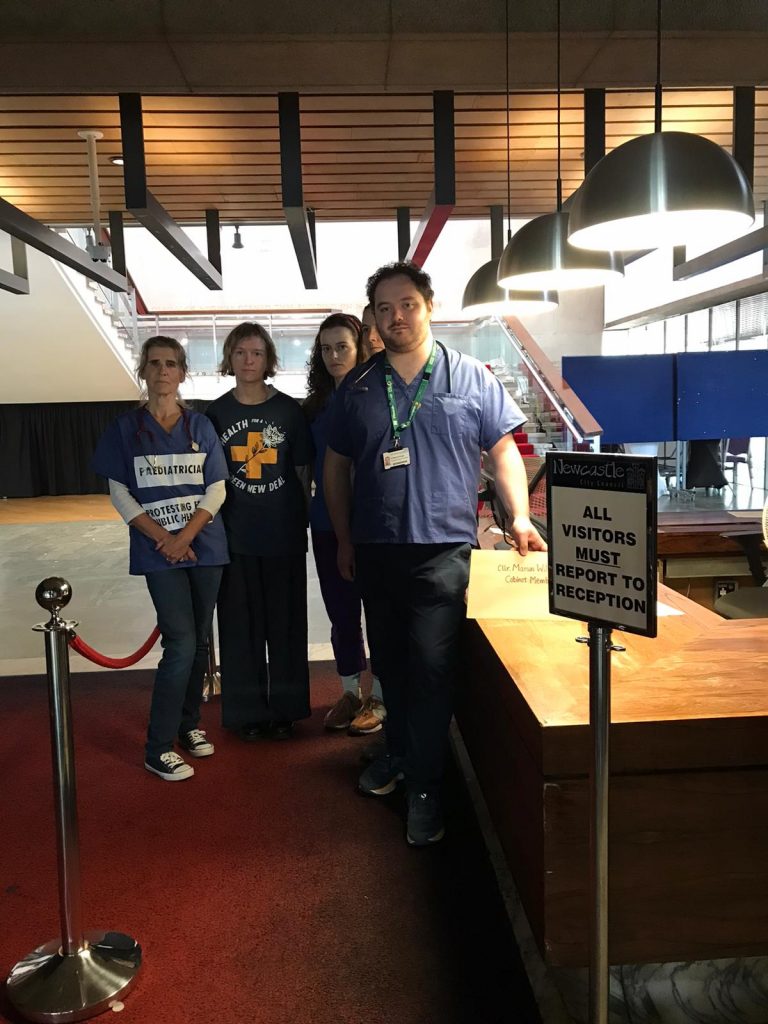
pixel 737 454
pixel 749 602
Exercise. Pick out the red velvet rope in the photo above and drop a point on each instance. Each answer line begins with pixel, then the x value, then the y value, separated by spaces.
pixel 101 659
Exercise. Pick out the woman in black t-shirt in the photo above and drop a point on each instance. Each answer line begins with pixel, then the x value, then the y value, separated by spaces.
pixel 262 607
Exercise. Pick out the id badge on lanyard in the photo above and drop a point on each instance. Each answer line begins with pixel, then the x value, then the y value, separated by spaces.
pixel 397 454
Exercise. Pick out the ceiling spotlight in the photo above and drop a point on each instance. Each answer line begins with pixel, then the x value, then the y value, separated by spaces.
pixel 238 242
pixel 117 161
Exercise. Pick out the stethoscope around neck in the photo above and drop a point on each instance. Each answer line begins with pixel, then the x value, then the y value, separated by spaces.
pixel 143 428
pixel 358 385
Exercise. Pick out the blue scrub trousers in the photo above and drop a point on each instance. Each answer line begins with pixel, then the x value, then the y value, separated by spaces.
pixel 184 599
pixel 414 601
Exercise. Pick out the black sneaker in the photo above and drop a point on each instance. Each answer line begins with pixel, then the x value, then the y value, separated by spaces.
pixel 425 819
pixel 381 776
pixel 169 766
pixel 282 730
pixel 195 743
pixel 256 731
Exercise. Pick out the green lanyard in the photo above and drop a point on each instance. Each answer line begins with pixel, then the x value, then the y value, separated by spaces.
pixel 397 426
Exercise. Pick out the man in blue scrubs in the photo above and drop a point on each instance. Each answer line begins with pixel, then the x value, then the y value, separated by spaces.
pixel 412 422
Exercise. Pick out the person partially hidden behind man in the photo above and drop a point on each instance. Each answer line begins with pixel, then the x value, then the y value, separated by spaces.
pixel 412 422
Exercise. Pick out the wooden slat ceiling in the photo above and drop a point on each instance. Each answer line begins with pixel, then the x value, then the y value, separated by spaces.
pixel 363 156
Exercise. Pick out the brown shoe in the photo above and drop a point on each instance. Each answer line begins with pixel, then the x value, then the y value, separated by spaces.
pixel 343 711
pixel 369 718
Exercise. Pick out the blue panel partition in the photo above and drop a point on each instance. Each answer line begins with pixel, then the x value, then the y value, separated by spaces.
pixel 721 394
pixel 631 397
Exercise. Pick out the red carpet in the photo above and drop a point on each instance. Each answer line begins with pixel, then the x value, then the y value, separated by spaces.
pixel 263 890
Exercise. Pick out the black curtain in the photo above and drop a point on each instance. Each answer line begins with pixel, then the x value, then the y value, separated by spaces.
pixel 47 449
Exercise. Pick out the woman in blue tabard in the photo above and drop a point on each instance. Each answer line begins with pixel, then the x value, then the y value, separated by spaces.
pixel 338 348
pixel 166 474
pixel 262 606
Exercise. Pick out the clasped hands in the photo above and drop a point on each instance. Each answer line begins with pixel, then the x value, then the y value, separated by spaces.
pixel 174 548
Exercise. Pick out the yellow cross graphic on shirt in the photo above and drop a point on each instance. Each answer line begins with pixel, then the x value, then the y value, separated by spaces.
pixel 253 454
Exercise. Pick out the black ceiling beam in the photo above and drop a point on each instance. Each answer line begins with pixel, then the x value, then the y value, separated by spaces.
pixel 403 231
pixel 497 230
pixel 594 127
pixel 117 241
pixel 30 231
pixel 744 130
pixel 140 202
pixel 18 281
pixel 299 224
pixel 443 199
pixel 213 237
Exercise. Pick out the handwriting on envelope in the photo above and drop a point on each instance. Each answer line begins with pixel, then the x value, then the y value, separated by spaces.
pixel 503 585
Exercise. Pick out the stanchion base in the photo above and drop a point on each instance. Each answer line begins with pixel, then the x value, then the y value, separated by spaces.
pixel 50 986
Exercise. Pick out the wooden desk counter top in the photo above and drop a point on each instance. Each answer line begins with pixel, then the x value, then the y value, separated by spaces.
pixel 701 533
pixel 692 697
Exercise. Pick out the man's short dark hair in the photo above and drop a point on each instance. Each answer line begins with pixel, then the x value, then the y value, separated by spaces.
pixel 421 280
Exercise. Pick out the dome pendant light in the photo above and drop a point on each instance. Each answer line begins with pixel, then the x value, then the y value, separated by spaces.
pixel 540 256
pixel 662 189
pixel 482 295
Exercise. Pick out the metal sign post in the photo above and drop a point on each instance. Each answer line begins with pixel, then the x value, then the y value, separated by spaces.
pixel 601 511
pixel 80 974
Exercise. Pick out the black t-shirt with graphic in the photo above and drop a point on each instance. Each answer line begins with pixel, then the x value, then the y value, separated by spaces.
pixel 264 513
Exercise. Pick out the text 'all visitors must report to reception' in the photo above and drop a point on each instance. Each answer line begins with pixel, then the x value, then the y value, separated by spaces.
pixel 601 514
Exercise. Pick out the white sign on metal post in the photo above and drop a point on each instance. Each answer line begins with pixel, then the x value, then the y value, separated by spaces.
pixel 602 539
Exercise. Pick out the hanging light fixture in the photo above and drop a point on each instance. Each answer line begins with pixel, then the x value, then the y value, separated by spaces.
pixel 540 256
pixel 482 295
pixel 662 189
pixel 238 242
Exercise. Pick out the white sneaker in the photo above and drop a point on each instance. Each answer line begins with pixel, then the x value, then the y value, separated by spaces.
pixel 169 766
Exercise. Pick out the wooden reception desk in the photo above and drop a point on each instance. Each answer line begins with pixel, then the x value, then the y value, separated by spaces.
pixel 697 548
pixel 689 786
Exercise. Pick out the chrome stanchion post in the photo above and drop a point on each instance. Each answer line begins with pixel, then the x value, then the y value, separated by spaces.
pixel 80 974
pixel 600 647
pixel 212 681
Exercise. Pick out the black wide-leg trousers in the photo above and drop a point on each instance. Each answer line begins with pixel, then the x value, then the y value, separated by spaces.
pixel 262 615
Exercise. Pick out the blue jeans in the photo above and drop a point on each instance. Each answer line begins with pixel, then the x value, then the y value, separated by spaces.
pixel 184 600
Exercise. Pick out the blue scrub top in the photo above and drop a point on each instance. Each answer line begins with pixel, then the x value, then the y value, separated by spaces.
pixel 434 499
pixel 167 473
